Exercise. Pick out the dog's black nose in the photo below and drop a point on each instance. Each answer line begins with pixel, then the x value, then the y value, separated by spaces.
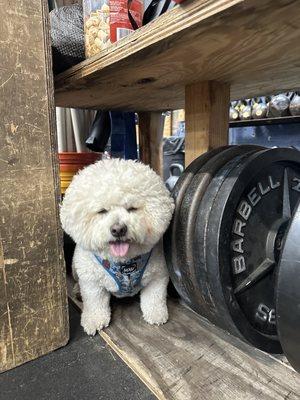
pixel 118 230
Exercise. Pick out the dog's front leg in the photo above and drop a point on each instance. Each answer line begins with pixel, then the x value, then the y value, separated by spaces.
pixel 154 301
pixel 96 308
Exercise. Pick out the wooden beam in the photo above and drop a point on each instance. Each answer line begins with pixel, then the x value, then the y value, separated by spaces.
pixel 33 301
pixel 150 139
pixel 206 118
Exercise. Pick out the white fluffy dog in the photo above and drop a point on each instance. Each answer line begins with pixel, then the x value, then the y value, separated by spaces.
pixel 117 211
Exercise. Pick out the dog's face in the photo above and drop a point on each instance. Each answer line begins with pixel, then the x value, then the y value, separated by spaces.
pixel 116 208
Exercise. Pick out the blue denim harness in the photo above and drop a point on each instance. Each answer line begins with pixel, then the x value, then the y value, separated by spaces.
pixel 127 275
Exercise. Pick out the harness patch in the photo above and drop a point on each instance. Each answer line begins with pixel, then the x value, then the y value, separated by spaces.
pixel 127 275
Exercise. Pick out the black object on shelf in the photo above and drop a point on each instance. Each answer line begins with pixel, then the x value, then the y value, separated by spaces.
pixel 100 132
pixel 173 152
pixel 154 9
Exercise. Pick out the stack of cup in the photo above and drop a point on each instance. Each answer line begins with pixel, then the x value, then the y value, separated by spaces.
pixel 70 163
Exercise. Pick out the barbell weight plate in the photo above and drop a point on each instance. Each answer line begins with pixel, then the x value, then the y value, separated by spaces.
pixel 213 306
pixel 243 238
pixel 184 228
pixel 288 291
pixel 178 274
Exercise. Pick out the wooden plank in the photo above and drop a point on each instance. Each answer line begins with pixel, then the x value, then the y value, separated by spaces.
pixel 206 114
pixel 252 44
pixel 266 121
pixel 188 358
pixel 33 303
pixel 150 139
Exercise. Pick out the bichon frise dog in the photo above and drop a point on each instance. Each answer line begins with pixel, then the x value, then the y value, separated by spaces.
pixel 117 211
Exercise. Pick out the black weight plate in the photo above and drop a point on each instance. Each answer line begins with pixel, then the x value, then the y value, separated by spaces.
pixel 244 236
pixel 213 306
pixel 179 277
pixel 184 228
pixel 288 290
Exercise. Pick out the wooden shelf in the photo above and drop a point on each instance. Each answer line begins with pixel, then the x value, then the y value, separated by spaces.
pixel 189 358
pixel 265 121
pixel 253 45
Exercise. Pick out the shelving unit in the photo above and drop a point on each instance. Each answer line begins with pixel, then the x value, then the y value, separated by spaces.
pixel 250 44
pixel 250 47
pixel 265 121
pixel 198 56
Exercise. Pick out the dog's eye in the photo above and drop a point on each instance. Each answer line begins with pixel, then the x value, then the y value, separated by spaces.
pixel 103 211
pixel 131 209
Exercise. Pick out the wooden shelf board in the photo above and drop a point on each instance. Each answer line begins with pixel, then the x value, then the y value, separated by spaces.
pixel 266 121
pixel 253 45
pixel 188 358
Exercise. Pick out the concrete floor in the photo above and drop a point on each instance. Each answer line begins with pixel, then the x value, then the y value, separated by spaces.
pixel 86 369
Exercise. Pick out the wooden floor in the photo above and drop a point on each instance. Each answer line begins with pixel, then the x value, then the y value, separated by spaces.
pixel 189 359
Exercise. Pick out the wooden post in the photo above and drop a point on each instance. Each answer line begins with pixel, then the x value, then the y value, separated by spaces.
pixel 33 298
pixel 206 117
pixel 150 139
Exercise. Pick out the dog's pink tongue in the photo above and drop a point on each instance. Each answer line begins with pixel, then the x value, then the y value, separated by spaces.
pixel 119 249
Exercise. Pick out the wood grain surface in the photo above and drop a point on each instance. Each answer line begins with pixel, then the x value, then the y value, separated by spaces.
pixel 150 139
pixel 253 45
pixel 207 118
pixel 190 359
pixel 33 303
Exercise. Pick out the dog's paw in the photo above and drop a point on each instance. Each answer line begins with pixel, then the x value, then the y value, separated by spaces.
pixel 93 322
pixel 157 315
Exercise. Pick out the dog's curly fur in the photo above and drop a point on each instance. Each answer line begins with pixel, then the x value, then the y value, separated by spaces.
pixel 117 192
